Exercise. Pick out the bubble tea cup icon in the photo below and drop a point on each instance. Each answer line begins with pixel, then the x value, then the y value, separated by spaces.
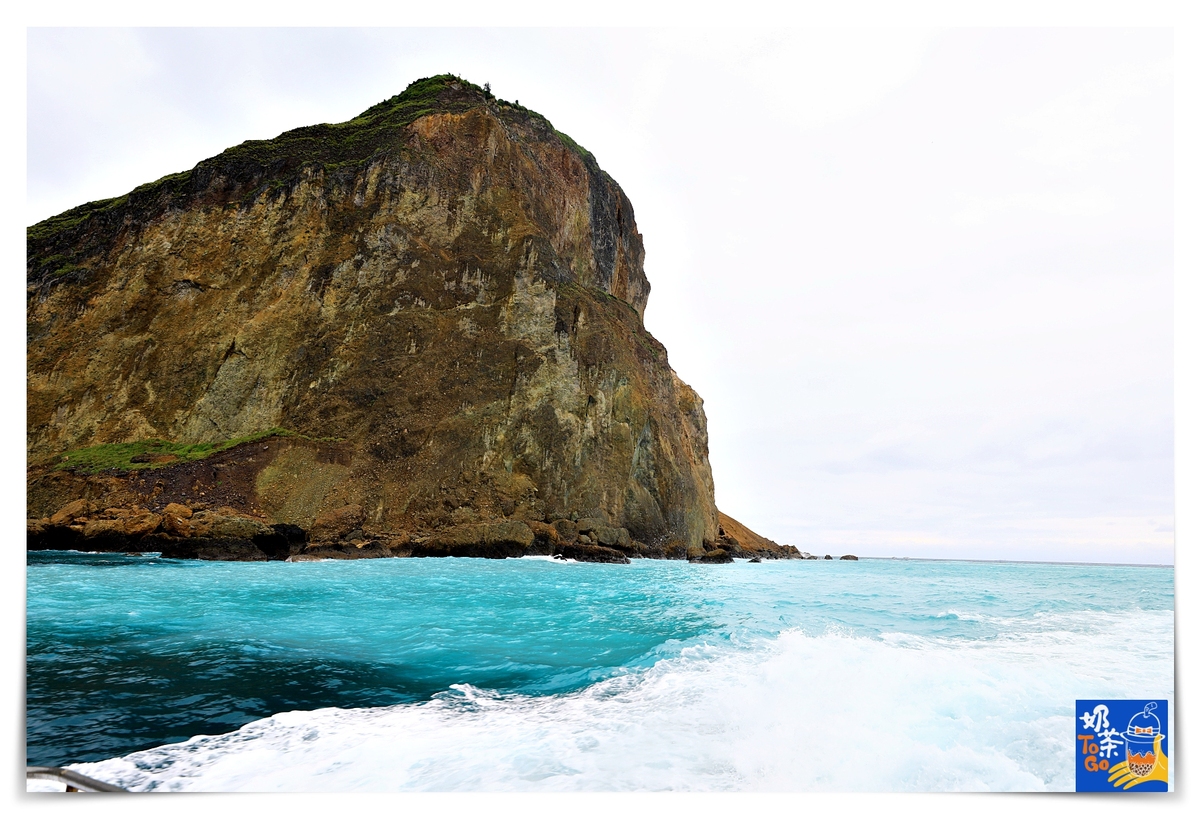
pixel 1143 729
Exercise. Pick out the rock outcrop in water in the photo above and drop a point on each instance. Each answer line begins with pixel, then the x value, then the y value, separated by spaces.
pixel 418 332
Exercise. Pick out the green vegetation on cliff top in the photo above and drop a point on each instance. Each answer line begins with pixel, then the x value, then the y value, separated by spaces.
pixel 332 147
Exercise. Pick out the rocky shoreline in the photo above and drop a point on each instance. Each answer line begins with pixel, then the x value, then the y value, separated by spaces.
pixel 195 530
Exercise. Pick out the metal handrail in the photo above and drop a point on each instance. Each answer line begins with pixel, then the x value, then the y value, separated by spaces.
pixel 76 782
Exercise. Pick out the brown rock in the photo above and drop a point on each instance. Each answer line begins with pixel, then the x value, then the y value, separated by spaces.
pixel 463 515
pixel 740 541
pixel 442 297
pixel 342 551
pixel 491 540
pixel 178 526
pixel 593 553
pixel 71 512
pixel 201 523
pixel 541 529
pixel 400 545
pixel 237 528
pixel 336 524
pixel 589 524
pixel 544 534
pixel 509 531
pixel 567 530
pixel 236 550
pixel 178 510
pixel 139 525
pixel 95 529
pixel 609 536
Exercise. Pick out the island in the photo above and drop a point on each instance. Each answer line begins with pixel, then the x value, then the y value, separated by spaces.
pixel 416 333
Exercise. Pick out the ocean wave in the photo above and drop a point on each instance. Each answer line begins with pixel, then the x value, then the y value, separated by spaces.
pixel 832 711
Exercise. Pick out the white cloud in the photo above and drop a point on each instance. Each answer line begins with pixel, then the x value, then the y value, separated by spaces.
pixel 808 78
pixel 1092 122
pixel 1095 201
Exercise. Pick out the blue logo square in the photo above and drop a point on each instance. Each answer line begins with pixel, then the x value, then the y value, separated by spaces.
pixel 1121 745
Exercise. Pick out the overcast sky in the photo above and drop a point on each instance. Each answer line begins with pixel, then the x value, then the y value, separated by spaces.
pixel 922 279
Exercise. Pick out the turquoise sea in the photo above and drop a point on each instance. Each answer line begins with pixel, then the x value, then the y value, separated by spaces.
pixel 535 674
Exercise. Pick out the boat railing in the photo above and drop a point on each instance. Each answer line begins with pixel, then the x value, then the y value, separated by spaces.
pixel 76 782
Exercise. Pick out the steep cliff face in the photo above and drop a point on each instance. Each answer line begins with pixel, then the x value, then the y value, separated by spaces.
pixel 441 300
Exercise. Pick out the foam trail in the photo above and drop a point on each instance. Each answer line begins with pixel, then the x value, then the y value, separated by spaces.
pixel 831 711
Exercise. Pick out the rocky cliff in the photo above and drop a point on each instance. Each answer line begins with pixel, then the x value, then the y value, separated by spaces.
pixel 419 331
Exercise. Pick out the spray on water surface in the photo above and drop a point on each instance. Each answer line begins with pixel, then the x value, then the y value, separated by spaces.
pixel 458 674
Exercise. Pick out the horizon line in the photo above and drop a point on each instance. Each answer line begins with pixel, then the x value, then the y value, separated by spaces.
pixel 1025 562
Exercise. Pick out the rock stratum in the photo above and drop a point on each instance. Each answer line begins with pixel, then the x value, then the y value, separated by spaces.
pixel 416 333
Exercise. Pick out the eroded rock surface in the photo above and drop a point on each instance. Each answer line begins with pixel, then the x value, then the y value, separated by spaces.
pixel 441 300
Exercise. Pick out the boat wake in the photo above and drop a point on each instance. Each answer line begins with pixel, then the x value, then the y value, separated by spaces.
pixel 833 712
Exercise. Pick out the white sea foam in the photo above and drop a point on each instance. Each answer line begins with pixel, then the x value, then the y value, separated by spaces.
pixel 828 711
pixel 966 617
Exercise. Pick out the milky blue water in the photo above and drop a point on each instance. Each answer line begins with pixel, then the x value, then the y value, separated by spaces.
pixel 461 674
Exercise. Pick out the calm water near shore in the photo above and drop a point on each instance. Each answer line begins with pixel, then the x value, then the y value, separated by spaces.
pixel 532 674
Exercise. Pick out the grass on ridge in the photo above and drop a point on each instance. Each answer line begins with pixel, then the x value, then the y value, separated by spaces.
pixel 120 455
